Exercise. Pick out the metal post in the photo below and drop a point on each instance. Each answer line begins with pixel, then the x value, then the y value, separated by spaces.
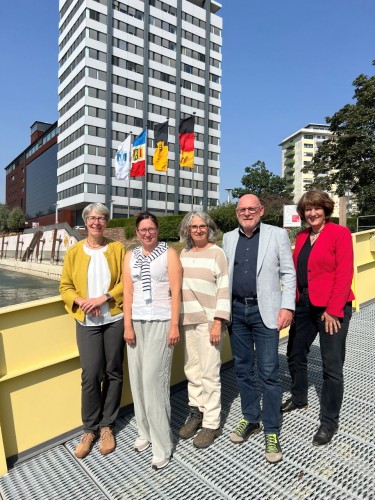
pixel 57 213
pixel 131 145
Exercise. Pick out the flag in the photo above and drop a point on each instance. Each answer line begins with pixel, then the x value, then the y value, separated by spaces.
pixel 160 158
pixel 139 155
pixel 122 160
pixel 186 135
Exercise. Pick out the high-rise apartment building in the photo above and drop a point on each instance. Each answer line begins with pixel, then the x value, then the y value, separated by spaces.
pixel 298 150
pixel 125 66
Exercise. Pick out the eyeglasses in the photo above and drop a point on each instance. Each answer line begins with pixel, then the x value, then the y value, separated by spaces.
pixel 92 218
pixel 251 210
pixel 151 230
pixel 202 227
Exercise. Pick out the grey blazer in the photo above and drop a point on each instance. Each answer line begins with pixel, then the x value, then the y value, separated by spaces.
pixel 276 276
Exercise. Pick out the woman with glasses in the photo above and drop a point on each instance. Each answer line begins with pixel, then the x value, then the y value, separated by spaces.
pixel 91 287
pixel 152 297
pixel 323 258
pixel 204 314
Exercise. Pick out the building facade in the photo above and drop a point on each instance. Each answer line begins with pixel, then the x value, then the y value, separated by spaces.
pixel 31 177
pixel 125 66
pixel 298 150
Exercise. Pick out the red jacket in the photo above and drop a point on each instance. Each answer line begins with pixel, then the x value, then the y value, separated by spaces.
pixel 329 268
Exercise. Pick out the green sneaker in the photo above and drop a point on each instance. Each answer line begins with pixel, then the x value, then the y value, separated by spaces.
pixel 273 448
pixel 243 431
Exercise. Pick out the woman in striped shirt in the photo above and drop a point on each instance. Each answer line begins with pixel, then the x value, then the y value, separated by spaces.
pixel 205 312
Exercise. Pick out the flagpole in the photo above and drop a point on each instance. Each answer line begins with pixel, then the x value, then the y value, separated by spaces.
pixel 166 193
pixel 192 177
pixel 131 138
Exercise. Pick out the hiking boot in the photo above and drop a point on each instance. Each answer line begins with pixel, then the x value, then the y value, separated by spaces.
pixel 243 431
pixel 141 444
pixel 193 423
pixel 273 448
pixel 83 448
pixel 205 437
pixel 107 441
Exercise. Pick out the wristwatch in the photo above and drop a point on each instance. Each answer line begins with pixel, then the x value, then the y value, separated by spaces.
pixel 108 296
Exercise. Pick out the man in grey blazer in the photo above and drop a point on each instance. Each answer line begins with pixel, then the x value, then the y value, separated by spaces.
pixel 262 282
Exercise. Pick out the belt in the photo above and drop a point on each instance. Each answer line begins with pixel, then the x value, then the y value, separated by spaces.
pixel 246 300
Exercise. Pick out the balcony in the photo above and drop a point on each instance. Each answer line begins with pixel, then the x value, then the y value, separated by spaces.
pixel 289 145
pixel 290 161
pixel 289 153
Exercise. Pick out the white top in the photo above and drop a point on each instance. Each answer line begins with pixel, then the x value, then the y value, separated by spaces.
pixel 98 281
pixel 159 307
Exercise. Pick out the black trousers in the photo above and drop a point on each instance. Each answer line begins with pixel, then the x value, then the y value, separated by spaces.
pixel 101 352
pixel 302 334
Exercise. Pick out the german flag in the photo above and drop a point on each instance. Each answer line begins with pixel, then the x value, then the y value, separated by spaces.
pixel 160 158
pixel 186 136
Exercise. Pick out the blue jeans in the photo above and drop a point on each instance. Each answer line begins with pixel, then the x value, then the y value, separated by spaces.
pixel 246 332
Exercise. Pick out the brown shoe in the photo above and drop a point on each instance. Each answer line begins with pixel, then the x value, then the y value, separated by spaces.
pixel 206 437
pixel 193 423
pixel 84 446
pixel 107 441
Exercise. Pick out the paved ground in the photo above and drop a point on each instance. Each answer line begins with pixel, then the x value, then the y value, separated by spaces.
pixel 342 470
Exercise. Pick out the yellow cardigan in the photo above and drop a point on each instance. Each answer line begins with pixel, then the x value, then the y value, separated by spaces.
pixel 73 282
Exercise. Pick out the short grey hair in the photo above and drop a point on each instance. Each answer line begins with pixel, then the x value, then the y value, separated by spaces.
pixel 95 207
pixel 186 222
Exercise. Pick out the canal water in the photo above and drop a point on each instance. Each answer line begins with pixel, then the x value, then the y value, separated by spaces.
pixel 16 288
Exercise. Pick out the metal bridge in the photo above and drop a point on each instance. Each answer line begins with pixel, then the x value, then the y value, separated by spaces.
pixel 342 470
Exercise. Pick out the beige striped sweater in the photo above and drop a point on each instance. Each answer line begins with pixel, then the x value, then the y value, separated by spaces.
pixel 205 290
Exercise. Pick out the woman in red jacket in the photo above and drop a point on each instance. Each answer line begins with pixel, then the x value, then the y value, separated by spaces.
pixel 323 258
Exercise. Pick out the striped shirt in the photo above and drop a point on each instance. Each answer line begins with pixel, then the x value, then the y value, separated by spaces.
pixel 205 290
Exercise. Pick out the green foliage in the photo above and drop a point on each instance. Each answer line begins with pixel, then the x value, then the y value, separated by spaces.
pixel 4 213
pixel 347 160
pixel 261 182
pixel 224 216
pixel 16 219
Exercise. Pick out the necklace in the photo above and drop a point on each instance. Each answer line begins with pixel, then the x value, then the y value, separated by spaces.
pixel 315 235
pixel 317 232
pixel 95 246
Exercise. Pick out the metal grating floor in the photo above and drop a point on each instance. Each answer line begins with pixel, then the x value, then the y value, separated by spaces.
pixel 342 470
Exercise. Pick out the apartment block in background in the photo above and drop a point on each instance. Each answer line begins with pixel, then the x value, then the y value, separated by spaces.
pixel 125 66
pixel 298 150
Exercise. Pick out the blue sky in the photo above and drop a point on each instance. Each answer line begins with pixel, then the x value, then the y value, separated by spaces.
pixel 285 64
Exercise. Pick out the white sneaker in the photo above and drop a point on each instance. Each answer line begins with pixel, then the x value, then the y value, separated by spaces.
pixel 159 463
pixel 141 444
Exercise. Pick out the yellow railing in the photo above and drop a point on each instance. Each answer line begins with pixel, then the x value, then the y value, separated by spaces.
pixel 40 373
pixel 40 386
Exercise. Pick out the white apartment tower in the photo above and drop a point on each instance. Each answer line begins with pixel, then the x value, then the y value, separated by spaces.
pixel 125 66
pixel 298 150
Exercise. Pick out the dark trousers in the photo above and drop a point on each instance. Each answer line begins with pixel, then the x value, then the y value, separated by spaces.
pixel 250 339
pixel 302 334
pixel 101 352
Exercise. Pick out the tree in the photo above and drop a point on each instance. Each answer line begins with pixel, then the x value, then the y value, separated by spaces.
pixel 4 213
pixel 261 182
pixel 347 160
pixel 224 216
pixel 16 219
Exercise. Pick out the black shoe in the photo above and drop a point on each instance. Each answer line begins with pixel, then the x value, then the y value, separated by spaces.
pixel 323 436
pixel 290 406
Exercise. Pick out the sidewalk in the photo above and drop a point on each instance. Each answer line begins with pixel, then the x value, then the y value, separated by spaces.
pixel 342 470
